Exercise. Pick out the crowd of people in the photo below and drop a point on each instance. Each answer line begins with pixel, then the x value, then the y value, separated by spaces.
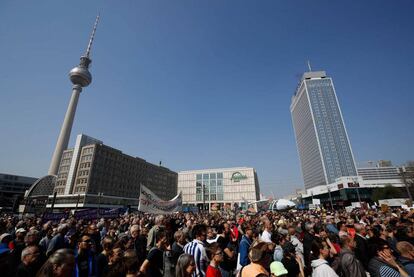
pixel 292 243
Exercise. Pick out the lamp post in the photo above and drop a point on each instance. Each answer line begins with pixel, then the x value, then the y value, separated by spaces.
pixel 330 197
pixel 403 171
pixel 356 184
pixel 99 202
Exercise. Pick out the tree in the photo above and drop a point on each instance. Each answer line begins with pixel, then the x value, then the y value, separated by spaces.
pixel 387 192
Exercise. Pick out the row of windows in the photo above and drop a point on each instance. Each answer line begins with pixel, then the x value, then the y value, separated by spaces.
pixel 80 189
pixel 83 172
pixel 207 176
pixel 64 168
pixel 85 165
pixel 82 181
pixel 86 158
pixel 88 150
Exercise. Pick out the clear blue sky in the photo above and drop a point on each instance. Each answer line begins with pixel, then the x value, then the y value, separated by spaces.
pixel 204 84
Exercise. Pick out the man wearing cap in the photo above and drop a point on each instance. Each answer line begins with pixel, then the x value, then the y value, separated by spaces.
pixel 19 245
pixel 5 253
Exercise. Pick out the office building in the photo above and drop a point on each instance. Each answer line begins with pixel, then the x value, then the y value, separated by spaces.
pixel 95 175
pixel 216 189
pixel 323 145
pixel 12 188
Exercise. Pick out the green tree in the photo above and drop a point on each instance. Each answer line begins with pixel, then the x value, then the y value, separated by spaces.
pixel 387 192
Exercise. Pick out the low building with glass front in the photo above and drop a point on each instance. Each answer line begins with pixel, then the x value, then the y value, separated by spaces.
pixel 218 189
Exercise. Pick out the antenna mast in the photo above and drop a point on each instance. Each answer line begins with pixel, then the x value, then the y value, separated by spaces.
pixel 88 49
pixel 309 66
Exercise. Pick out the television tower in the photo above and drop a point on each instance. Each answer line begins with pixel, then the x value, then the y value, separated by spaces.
pixel 80 78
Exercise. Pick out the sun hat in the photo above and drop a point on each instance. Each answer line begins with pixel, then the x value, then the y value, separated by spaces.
pixel 277 268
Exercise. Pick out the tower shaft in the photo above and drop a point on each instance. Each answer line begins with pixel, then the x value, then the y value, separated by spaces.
pixel 63 140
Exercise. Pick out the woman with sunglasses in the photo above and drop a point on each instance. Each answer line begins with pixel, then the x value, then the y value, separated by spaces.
pixel 215 254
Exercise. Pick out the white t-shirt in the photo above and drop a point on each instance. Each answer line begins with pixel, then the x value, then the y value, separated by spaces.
pixel 266 236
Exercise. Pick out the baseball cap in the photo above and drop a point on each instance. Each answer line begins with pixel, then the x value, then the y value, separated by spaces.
pixel 277 268
pixel 5 235
pixel 20 230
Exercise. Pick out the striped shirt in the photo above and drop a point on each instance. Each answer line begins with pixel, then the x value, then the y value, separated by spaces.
pixel 196 249
pixel 386 271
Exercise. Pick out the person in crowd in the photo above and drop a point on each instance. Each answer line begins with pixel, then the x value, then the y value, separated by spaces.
pixel 277 269
pixel 267 232
pixel 197 250
pixel 211 236
pixel 406 257
pixel 154 264
pixel 279 240
pixel 215 254
pixel 361 247
pixel 292 261
pixel 330 226
pixel 245 244
pixel 308 238
pixel 60 264
pixel 296 242
pixel 343 230
pixel 138 243
pixel 85 260
pixel 95 236
pixel 131 265
pixel 48 235
pixel 103 258
pixel 349 265
pixel 320 267
pixel 5 265
pixel 115 266
pixel 383 264
pixel 259 260
pixel 151 239
pixel 186 266
pixel 58 241
pixel 30 262
pixel 228 243
pixel 177 249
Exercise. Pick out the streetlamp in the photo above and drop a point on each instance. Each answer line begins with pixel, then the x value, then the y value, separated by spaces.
pixel 403 171
pixel 356 185
pixel 99 202
pixel 330 197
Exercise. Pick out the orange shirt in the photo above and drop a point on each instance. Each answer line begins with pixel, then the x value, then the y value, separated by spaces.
pixel 253 270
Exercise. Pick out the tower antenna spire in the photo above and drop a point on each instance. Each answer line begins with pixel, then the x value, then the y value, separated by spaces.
pixel 88 49
pixel 309 66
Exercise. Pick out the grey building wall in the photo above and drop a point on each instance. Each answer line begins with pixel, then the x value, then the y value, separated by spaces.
pixel 12 188
pixel 116 176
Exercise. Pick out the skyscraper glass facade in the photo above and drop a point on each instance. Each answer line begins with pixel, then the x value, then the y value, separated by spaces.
pixel 322 141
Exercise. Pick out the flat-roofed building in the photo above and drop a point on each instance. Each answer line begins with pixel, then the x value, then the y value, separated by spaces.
pixel 93 174
pixel 211 189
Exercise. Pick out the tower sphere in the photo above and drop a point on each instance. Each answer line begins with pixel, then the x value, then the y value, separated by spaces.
pixel 80 75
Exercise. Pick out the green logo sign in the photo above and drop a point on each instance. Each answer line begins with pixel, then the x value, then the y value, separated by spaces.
pixel 237 176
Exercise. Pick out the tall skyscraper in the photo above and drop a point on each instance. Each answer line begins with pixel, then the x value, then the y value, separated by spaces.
pixel 324 149
pixel 80 78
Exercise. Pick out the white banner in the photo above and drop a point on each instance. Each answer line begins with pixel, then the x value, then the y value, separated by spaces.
pixel 150 203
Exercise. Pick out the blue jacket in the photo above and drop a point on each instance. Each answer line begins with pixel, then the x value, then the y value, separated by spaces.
pixel 244 250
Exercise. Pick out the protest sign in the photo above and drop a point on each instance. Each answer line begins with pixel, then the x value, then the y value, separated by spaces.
pixel 151 203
